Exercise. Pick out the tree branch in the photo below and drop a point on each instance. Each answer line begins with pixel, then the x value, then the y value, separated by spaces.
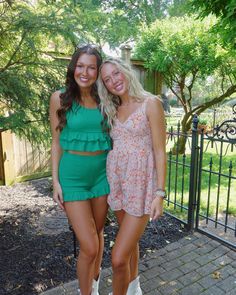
pixel 190 88
pixel 15 52
pixel 201 108
pixel 133 4
pixel 178 96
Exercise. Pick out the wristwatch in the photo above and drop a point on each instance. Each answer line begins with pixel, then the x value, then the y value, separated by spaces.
pixel 161 193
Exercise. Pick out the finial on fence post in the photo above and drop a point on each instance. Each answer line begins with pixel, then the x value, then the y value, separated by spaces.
pixel 195 122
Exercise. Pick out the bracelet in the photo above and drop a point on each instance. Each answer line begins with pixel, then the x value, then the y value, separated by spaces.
pixel 160 193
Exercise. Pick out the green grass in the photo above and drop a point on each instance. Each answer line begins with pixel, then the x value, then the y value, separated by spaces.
pixel 172 121
pixel 209 150
pixel 33 176
pixel 208 189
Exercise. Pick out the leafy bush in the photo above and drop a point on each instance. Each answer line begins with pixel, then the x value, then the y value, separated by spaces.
pixel 202 121
pixel 173 102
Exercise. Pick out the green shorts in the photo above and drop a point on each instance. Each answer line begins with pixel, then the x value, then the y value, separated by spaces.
pixel 83 177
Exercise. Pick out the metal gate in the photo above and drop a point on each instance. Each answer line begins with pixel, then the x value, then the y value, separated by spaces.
pixel 201 183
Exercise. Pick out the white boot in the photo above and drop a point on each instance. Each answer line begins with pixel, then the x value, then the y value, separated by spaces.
pixel 95 285
pixel 134 287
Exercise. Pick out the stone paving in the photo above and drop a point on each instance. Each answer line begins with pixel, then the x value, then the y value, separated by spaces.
pixel 193 265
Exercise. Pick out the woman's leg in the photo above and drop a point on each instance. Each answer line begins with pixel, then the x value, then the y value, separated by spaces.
pixel 81 218
pixel 135 254
pixel 99 208
pixel 128 236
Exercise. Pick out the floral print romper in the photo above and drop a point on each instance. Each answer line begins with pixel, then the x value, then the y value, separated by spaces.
pixel 131 165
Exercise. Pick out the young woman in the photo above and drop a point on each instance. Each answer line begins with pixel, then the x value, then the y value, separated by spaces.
pixel 136 166
pixel 79 152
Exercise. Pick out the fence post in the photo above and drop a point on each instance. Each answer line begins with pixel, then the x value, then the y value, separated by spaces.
pixel 193 174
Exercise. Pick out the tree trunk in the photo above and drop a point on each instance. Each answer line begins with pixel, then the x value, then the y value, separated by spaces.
pixel 179 147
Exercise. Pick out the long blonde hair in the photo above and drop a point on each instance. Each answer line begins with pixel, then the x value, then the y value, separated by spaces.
pixel 109 102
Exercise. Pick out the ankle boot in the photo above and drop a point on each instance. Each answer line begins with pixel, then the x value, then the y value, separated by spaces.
pixel 95 285
pixel 134 287
pixel 79 293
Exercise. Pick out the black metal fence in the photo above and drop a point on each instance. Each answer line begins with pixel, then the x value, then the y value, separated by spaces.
pixel 201 184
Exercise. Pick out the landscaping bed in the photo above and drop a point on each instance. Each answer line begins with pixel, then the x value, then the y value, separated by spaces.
pixel 37 246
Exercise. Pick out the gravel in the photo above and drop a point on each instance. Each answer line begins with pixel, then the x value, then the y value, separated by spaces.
pixel 36 243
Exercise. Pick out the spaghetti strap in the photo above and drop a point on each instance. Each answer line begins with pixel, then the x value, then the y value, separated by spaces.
pixel 144 106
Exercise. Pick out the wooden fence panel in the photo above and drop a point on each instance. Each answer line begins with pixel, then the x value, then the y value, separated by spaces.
pixel 1 162
pixel 23 160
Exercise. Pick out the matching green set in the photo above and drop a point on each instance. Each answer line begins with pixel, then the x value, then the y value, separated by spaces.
pixel 83 177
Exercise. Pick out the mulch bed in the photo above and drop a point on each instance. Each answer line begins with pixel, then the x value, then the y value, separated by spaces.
pixel 37 247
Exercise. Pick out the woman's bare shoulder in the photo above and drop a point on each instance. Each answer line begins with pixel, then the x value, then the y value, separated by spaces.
pixel 154 102
pixel 55 99
pixel 56 95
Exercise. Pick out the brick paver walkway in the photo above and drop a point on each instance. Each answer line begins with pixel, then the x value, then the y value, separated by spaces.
pixel 193 265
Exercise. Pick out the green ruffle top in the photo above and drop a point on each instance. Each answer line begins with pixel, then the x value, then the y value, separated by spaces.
pixel 83 130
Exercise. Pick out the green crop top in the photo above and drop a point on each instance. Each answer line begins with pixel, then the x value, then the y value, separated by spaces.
pixel 83 130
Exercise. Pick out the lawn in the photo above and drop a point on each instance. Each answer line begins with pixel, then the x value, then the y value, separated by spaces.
pixel 215 184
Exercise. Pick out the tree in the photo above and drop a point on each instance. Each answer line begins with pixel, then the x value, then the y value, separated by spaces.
pixel 178 8
pixel 27 73
pixel 225 11
pixel 141 12
pixel 184 51
pixel 34 39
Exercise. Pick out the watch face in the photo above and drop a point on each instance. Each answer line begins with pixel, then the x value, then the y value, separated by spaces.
pixel 161 193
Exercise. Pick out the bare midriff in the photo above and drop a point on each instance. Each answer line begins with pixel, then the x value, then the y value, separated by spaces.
pixel 86 153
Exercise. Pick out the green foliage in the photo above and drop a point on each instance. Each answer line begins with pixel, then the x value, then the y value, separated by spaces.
pixel 178 8
pixel 173 102
pixel 28 74
pixel 186 52
pixel 225 11
pixel 180 46
pixel 138 11
pixel 202 121
pixel 130 15
pixel 35 38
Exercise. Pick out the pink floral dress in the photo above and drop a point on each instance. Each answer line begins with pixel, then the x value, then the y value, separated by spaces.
pixel 131 166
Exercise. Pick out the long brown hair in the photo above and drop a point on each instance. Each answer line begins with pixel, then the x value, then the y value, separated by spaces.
pixel 72 92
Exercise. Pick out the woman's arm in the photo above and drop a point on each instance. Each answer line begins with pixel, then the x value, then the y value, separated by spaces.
pixel 56 150
pixel 156 117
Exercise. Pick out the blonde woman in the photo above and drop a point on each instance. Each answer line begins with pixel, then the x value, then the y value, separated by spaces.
pixel 136 167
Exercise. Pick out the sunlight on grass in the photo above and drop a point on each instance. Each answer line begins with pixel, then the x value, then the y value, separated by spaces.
pixel 214 184
pixel 216 190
